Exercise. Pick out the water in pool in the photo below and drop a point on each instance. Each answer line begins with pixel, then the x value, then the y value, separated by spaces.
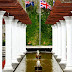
pixel 47 61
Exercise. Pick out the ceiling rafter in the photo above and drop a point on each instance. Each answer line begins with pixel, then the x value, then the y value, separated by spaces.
pixel 14 8
pixel 58 11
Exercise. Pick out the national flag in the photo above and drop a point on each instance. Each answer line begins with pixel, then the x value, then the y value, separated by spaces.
pixel 29 3
pixel 32 3
pixel 44 4
pixel 41 4
pixel 47 6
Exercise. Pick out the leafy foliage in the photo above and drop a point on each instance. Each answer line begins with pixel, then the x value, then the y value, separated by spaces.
pixel 46 30
pixel 33 29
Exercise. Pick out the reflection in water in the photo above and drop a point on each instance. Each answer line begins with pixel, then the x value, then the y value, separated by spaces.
pixel 48 63
pixel 45 62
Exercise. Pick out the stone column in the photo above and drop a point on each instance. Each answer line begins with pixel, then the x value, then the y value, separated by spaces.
pixel 14 44
pixel 8 28
pixel 59 40
pixel 68 20
pixel 63 57
pixel 24 37
pixel 53 39
pixel 18 40
pixel 1 19
pixel 21 37
pixel 56 39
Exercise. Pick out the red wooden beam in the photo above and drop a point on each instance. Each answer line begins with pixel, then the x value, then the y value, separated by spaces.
pixel 14 8
pixel 62 9
pixel 58 11
pixel 53 20
pixel 49 22
pixel 59 4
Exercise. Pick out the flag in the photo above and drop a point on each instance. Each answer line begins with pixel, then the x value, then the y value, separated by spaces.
pixel 29 3
pixel 44 4
pixel 32 3
pixel 41 4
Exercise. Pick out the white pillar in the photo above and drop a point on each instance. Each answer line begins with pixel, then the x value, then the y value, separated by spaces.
pixel 56 39
pixel 18 40
pixel 63 57
pixel 14 41
pixel 22 44
pixel 8 27
pixel 59 40
pixel 53 39
pixel 24 38
pixel 1 19
pixel 16 36
pixel 69 42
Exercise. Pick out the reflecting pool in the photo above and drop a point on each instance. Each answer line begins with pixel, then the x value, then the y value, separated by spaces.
pixel 48 63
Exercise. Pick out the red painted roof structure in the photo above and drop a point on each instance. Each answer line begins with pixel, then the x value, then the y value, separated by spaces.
pixel 58 11
pixel 14 8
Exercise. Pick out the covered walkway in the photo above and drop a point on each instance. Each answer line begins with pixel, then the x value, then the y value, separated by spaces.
pixel 61 18
pixel 15 19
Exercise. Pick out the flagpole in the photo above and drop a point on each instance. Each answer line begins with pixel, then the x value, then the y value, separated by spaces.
pixel 25 5
pixel 39 24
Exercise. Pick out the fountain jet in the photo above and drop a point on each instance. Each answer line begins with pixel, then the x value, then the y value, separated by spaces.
pixel 38 56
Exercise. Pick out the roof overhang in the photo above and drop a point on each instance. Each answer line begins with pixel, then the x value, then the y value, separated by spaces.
pixel 58 11
pixel 14 8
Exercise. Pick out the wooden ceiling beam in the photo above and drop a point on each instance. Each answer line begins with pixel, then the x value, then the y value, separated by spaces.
pixel 62 10
pixel 49 22
pixel 59 4
pixel 14 8
pixel 58 11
